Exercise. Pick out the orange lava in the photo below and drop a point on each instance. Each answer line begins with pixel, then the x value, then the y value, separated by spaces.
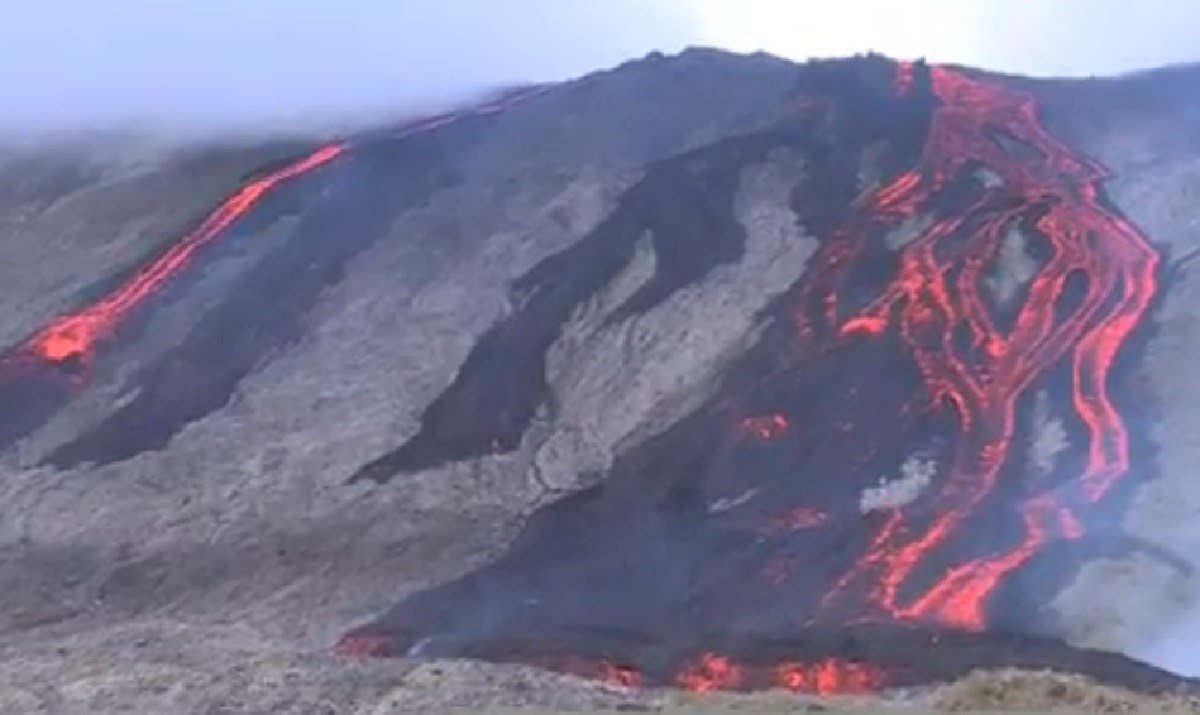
pixel 936 299
pixel 989 135
pixel 711 672
pixel 362 645
pixel 829 677
pixel 765 427
pixel 74 337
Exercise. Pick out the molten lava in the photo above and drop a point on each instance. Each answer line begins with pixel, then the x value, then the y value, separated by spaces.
pixel 754 544
pixel 75 336
pixel 70 341
pixel 710 672
pixel 936 305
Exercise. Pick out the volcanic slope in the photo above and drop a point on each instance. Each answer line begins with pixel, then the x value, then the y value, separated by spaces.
pixel 763 527
pixel 708 371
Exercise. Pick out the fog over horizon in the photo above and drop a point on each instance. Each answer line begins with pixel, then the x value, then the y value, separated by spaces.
pixel 281 66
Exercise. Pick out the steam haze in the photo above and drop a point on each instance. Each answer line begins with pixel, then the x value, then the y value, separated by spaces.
pixel 279 65
pixel 273 65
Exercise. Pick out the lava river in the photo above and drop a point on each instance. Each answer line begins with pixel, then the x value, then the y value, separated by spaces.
pixel 43 372
pixel 636 581
pixel 936 306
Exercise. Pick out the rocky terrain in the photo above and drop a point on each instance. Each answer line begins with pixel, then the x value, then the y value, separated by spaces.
pixel 554 384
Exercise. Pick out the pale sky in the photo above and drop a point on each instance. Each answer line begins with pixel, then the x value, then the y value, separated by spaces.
pixel 1039 37
pixel 215 65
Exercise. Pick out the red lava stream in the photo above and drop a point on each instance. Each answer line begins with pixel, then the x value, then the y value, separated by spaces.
pixel 935 295
pixel 934 304
pixel 984 380
pixel 75 336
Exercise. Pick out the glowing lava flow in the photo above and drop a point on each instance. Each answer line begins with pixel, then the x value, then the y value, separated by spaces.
pixel 710 672
pixel 935 305
pixel 792 577
pixel 73 338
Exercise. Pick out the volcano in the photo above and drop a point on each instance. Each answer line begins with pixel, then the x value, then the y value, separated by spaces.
pixel 749 511
pixel 840 379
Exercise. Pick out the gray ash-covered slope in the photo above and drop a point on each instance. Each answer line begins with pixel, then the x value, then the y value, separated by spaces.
pixel 338 206
pixel 787 372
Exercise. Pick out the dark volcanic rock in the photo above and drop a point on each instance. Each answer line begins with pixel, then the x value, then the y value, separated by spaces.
pixel 685 205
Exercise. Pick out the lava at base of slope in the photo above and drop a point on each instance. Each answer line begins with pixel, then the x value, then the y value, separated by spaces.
pixel 833 661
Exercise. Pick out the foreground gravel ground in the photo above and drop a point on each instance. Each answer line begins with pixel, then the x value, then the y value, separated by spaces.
pixel 171 668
